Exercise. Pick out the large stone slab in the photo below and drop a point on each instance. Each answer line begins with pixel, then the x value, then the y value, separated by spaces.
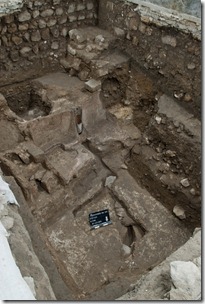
pixel 68 164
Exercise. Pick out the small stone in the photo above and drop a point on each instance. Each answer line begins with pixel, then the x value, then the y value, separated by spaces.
pixel 142 28
pixel 158 119
pixel 110 180
pixel 64 32
pixel 47 13
pixel 25 157
pixel 23 27
pixel 176 123
pixel 191 66
pixel 170 40
pixel 170 153
pixel 71 8
pixel 185 182
pixel 80 7
pixel 41 23
pixel 25 50
pixel 72 18
pixel 14 55
pixel 126 250
pixel 99 39
pixel 9 19
pixel 178 95
pixel 179 212
pixel 76 36
pixel 63 19
pixel 83 74
pixel 93 85
pixel 51 22
pixel 55 2
pixel 119 32
pixel 59 11
pixel 81 17
pixel 89 6
pixel 17 40
pixel 24 16
pixel 35 14
pixel 36 36
pixel 187 97
pixel 71 50
pixel 123 166
pixel 45 34
pixel 54 45
pixel 193 191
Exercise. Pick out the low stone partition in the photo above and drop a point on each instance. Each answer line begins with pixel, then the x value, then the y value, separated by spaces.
pixel 165 44
pixel 33 38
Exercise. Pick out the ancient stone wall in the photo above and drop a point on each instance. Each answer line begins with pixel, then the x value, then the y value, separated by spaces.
pixel 33 39
pixel 164 44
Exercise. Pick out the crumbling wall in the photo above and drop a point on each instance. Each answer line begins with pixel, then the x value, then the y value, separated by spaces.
pixel 191 7
pixel 33 39
pixel 165 45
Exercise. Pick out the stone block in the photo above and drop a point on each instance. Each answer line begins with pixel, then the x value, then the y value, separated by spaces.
pixel 51 22
pixel 9 19
pixel 41 23
pixel 80 7
pixel 89 5
pixel 71 8
pixel 59 11
pixel 36 36
pixel 17 40
pixel 24 16
pixel 93 85
pixel 36 153
pixel 49 181
pixel 47 13
pixel 23 27
pixel 56 128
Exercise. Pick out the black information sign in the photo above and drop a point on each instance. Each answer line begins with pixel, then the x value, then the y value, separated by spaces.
pixel 99 219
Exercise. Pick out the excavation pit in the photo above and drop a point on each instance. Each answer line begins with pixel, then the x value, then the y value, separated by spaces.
pixel 98 130
pixel 26 103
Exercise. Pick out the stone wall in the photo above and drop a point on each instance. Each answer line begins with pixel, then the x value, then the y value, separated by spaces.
pixel 165 46
pixel 33 39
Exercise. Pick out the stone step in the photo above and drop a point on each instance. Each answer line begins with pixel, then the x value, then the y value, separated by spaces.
pixel 69 164
pixel 107 63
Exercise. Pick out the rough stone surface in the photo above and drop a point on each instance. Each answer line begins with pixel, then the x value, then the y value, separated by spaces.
pixel 179 212
pixel 93 85
pixel 186 278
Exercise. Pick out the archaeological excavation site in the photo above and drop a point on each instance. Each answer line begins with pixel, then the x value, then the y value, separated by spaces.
pixel 100 155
